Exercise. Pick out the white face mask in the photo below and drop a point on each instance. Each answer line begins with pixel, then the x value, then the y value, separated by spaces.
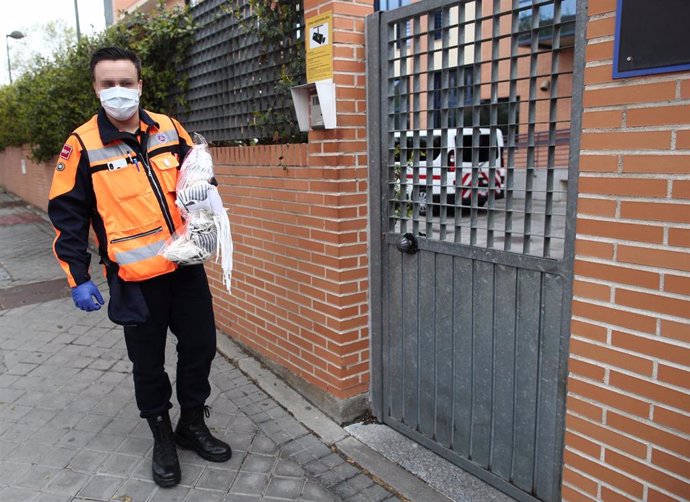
pixel 120 103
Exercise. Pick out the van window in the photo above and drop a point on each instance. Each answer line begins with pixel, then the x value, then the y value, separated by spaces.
pixel 435 150
pixel 484 149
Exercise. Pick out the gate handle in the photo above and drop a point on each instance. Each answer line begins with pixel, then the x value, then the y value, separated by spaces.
pixel 407 244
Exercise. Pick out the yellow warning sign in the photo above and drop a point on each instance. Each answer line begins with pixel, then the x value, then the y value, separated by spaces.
pixel 319 47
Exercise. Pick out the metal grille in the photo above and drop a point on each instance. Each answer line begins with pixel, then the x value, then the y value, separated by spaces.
pixel 232 78
pixel 474 168
pixel 478 112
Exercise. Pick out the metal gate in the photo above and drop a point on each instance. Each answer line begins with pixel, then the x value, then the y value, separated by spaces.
pixel 474 122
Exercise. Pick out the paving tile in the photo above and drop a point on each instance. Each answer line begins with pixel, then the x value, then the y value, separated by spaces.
pixel 201 495
pixel 263 445
pixel 135 446
pixel 100 487
pixel 118 465
pixel 76 439
pixel 249 483
pixel 258 463
pixel 216 479
pixel 8 396
pixel 15 494
pixel 190 473
pixel 56 456
pixel 25 453
pixel 288 468
pixel 53 497
pixel 67 482
pixel 36 477
pixel 176 494
pixel 314 492
pixel 376 493
pixel 87 461
pixel 93 423
pixel 289 488
pixel 105 442
pixel 237 497
pixel 10 471
pixel 137 490
pixel 123 426
pixel 48 435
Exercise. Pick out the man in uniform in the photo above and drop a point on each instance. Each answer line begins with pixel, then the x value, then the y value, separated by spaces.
pixel 117 173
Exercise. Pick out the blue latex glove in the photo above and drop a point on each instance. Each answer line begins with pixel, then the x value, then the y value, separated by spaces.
pixel 84 294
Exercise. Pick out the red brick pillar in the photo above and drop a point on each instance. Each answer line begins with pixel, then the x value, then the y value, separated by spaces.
pixel 628 409
pixel 338 228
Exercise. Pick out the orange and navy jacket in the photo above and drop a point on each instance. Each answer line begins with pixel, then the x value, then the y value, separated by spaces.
pixel 122 185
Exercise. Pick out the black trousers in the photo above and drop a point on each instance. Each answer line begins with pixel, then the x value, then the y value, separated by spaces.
pixel 182 302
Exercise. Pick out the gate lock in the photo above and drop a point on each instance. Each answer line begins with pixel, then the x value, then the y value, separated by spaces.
pixel 407 244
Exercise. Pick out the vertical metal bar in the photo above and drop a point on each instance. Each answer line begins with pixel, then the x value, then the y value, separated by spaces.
pixel 528 302
pixel 513 107
pixel 462 357
pixel 444 378
pixel 431 89
pixel 445 87
pixel 416 124
pixel 553 124
pixel 476 117
pixel 392 118
pixel 460 120
pixel 404 87
pixel 427 336
pixel 531 127
pixel 493 121
pixel 547 455
pixel 375 153
pixel 505 316
pixel 395 370
pixel 410 337
pixel 482 361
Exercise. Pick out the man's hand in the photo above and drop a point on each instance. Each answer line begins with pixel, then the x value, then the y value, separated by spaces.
pixel 84 295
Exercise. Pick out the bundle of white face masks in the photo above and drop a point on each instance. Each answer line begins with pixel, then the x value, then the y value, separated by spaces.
pixel 207 226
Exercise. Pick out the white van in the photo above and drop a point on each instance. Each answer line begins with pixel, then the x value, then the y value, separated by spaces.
pixel 488 160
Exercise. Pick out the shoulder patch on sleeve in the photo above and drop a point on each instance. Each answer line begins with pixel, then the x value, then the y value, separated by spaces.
pixel 65 174
pixel 66 152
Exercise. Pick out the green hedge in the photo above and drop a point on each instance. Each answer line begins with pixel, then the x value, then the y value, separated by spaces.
pixel 56 95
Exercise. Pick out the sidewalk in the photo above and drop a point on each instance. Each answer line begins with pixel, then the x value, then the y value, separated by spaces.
pixel 69 426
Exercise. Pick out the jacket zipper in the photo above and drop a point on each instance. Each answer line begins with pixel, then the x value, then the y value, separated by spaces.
pixel 136 236
pixel 155 184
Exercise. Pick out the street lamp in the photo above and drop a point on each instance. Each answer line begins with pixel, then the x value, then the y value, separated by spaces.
pixel 16 35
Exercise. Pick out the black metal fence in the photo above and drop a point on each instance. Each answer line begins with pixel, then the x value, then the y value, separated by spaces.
pixel 234 93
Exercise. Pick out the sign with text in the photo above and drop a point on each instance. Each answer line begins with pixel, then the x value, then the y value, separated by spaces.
pixel 319 47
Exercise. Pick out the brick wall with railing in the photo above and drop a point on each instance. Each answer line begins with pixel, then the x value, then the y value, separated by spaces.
pixel 300 214
pixel 628 418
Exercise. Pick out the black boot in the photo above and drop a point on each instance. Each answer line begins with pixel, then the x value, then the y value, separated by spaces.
pixel 191 433
pixel 165 466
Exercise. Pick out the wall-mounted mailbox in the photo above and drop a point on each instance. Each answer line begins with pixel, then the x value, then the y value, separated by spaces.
pixel 315 105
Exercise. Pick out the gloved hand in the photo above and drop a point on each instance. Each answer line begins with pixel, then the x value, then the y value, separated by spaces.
pixel 84 294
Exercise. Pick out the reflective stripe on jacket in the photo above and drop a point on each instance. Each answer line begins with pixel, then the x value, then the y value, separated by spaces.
pixel 124 185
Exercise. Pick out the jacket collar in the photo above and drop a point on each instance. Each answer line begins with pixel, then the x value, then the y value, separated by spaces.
pixel 109 132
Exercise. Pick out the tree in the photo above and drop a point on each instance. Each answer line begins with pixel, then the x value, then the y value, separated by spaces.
pixel 55 94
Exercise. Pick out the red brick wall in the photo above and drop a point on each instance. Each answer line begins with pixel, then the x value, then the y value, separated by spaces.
pixel 299 284
pixel 34 185
pixel 300 220
pixel 628 418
